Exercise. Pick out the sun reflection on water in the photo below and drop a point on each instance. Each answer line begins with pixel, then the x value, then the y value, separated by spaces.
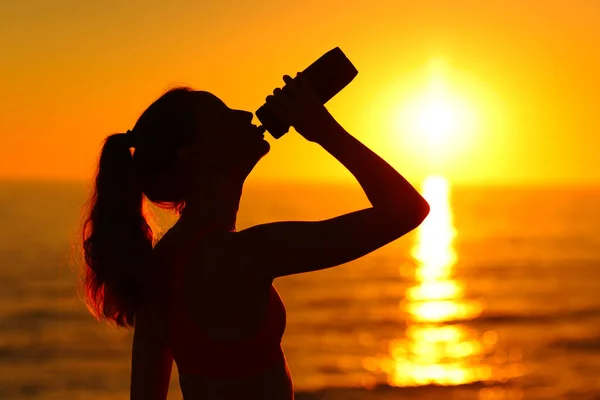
pixel 438 348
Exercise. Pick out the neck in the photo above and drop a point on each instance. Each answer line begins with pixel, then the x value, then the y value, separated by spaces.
pixel 215 205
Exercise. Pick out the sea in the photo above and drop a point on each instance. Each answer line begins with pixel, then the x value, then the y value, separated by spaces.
pixel 495 296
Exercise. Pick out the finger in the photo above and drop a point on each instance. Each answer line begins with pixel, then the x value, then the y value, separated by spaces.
pixel 278 108
pixel 287 79
pixel 283 97
pixel 306 87
pixel 291 87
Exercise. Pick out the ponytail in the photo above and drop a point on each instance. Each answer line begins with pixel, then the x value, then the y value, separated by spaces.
pixel 117 240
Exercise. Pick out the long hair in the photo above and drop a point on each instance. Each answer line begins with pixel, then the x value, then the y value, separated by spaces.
pixel 117 238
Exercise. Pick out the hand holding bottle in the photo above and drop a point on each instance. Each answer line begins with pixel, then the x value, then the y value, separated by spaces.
pixel 298 105
pixel 325 77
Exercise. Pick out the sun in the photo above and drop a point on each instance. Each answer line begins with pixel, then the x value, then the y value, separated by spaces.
pixel 437 117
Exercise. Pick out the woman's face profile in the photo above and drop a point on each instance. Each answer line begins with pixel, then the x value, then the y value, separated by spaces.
pixel 226 138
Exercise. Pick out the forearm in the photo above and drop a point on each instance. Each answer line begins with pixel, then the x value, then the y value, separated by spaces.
pixel 385 188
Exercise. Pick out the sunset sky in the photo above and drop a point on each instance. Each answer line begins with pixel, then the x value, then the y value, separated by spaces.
pixel 482 92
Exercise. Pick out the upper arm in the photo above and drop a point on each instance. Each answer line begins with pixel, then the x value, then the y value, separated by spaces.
pixel 151 360
pixel 285 248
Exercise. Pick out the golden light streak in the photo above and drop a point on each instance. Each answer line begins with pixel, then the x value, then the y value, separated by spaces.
pixel 432 351
pixel 437 349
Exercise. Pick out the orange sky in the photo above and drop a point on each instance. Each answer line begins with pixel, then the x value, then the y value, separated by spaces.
pixel 75 71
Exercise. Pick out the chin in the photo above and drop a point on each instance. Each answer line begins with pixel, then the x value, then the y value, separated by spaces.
pixel 266 147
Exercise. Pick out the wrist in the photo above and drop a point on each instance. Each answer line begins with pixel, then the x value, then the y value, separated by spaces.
pixel 318 127
pixel 328 132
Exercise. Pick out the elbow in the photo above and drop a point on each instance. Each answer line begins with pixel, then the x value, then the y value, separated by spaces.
pixel 404 217
pixel 424 210
pixel 420 211
pixel 411 215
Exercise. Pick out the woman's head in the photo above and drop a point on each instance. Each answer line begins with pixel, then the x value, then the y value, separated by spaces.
pixel 184 139
pixel 188 135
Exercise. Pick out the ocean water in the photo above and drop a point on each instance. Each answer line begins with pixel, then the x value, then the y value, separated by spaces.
pixel 495 296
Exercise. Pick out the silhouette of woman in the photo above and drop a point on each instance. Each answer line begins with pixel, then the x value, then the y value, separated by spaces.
pixel 203 295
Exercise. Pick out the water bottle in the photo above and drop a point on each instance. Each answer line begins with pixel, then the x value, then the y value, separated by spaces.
pixel 328 75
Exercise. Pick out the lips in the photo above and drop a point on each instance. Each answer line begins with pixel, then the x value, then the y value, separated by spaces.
pixel 259 131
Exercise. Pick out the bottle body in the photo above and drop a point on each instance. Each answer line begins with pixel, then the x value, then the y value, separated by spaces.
pixel 328 75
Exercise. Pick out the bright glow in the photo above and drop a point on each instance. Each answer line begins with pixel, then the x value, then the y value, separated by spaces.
pixel 437 114
pixel 440 311
pixel 437 121
pixel 434 251
pixel 435 290
pixel 434 353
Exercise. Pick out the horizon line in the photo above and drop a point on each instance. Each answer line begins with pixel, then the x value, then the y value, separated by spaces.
pixel 337 182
